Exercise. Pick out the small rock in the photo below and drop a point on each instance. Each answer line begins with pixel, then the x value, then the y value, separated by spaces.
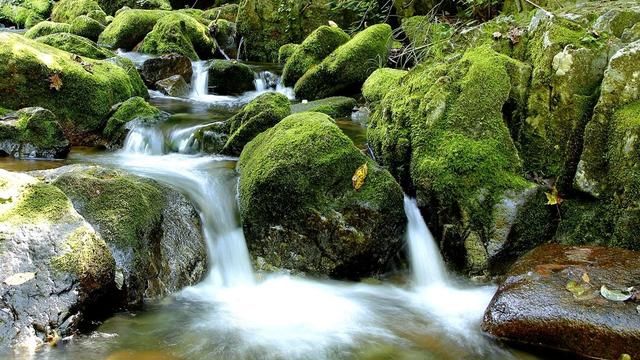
pixel 163 67
pixel 173 86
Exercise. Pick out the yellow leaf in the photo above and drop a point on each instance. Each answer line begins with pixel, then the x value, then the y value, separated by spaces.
pixel 585 278
pixel 359 176
pixel 554 198
pixel 55 82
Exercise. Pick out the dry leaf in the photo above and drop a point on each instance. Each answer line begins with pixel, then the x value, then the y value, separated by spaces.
pixel 19 278
pixel 359 176
pixel 616 295
pixel 55 82
pixel 554 198
pixel 585 278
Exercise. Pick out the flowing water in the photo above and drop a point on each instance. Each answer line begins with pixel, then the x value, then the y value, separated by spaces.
pixel 235 313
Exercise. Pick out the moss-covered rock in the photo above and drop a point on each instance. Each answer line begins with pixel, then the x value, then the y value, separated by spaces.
pixel 143 223
pixel 134 109
pixel 318 45
pixel 80 91
pixel 76 45
pixel 227 12
pixel 380 82
pixel 327 227
pixel 67 10
pixel 285 52
pixel 260 114
pixel 267 25
pixel 85 26
pixel 228 77
pixel 72 274
pixel 181 34
pixel 47 28
pixel 346 68
pixel 129 28
pixel 225 33
pixel 111 6
pixel 32 133
pixel 336 106
pixel 24 13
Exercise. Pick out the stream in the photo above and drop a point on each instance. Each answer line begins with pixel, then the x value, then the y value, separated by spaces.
pixel 237 313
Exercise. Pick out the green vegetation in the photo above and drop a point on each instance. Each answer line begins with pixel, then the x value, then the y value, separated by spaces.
pixel 135 108
pixel 336 106
pixel 129 28
pixel 67 10
pixel 87 27
pixel 380 82
pixel 181 34
pixel 285 52
pixel 77 45
pixel 47 28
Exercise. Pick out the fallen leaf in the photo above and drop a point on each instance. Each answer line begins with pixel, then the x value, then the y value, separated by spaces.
pixel 578 290
pixel 55 82
pixel 585 278
pixel 19 278
pixel 616 295
pixel 359 176
pixel 554 198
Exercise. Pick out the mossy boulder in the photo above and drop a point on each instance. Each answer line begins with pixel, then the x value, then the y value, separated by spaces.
pixel 225 33
pixel 135 109
pixel 180 34
pixel 285 52
pixel 267 25
pixel 80 93
pixel 76 44
pixel 24 13
pixel 68 281
pixel 227 12
pixel 68 10
pixel 87 27
pixel 129 28
pixel 152 231
pixel 327 227
pixel 347 68
pixel 318 45
pixel 257 116
pixel 380 82
pixel 47 28
pixel 229 77
pixel 165 66
pixel 32 133
pixel 336 106
pixel 112 6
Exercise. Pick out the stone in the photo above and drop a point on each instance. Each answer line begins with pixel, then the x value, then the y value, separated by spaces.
pixel 134 111
pixel 179 33
pixel 129 27
pixel 46 28
pixel 173 86
pixel 165 66
pixel 87 27
pixel 380 82
pixel 32 133
pixel 229 77
pixel 76 45
pixel 336 106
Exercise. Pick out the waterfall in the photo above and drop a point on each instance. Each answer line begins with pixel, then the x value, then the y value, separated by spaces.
pixel 427 265
pixel 144 140
pixel 199 79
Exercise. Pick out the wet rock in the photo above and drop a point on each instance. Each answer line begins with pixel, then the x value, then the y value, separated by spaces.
pixel 32 133
pixel 173 86
pixel 344 70
pixel 134 111
pixel 326 227
pixel 152 231
pixel 336 106
pixel 76 45
pixel 230 77
pixel 534 307
pixel 165 66
pixel 79 91
pixel 179 33
pixel 57 273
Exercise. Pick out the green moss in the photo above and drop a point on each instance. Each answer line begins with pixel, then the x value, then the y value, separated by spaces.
pixel 47 28
pixel 67 10
pixel 179 33
pixel 260 114
pixel 585 223
pixel 19 15
pixel 135 108
pixel 429 39
pixel 39 128
pixel 111 6
pixel 77 45
pixel 36 203
pixel 230 77
pixel 227 12
pixel 129 28
pixel 85 95
pixel 87 27
pixel 121 207
pixel 4 111
pixel 285 52
pixel 381 81
pixel 318 45
pixel 337 106
pixel 88 256
pixel 348 66
pixel 225 33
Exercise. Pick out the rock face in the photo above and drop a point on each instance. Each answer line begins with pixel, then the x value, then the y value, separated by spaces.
pixel 346 68
pixel 534 305
pixel 32 133
pixel 318 45
pixel 230 77
pixel 267 25
pixel 79 93
pixel 165 66
pixel 181 34
pixel 225 32
pixel 57 272
pixel 67 10
pixel 152 231
pixel 326 227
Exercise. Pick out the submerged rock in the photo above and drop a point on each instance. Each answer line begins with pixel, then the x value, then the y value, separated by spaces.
pixel 181 34
pixel 76 45
pixel 336 106
pixel 152 231
pixel 79 91
pixel 346 68
pixel 32 133
pixel 173 86
pixel 551 298
pixel 165 66
pixel 57 272
pixel 227 77
pixel 299 207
